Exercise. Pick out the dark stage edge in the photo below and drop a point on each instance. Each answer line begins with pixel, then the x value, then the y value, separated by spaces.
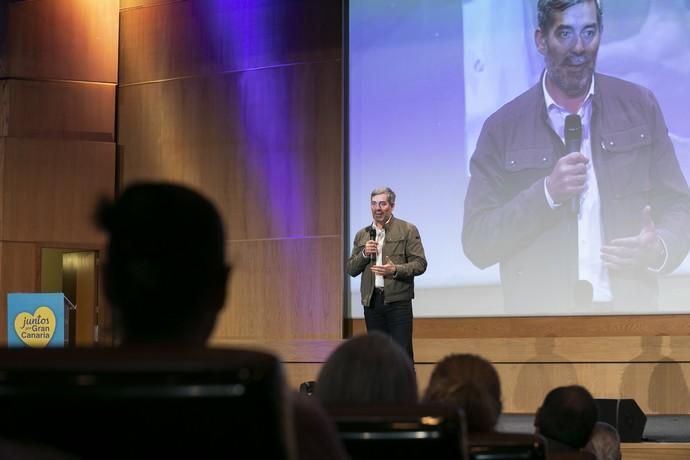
pixel 659 428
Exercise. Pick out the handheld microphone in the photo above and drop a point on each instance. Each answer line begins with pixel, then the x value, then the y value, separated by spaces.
pixel 573 143
pixel 372 236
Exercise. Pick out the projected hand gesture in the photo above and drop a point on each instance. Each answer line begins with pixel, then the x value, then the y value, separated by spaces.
pixel 645 250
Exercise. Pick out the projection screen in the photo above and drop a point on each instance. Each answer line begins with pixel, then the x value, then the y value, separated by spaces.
pixel 423 77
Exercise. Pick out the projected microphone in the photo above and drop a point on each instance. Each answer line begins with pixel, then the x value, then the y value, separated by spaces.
pixel 573 142
pixel 372 236
pixel 573 133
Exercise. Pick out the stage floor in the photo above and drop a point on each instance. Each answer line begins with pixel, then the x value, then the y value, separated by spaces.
pixel 659 428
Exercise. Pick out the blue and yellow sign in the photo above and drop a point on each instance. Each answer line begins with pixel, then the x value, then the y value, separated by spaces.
pixel 35 320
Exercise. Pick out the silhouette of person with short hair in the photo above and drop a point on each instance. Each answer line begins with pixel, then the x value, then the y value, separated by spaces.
pixel 165 273
pixel 566 418
pixel 166 278
pixel 369 368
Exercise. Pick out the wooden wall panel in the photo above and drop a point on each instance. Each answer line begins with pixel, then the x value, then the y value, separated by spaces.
pixel 4 107
pixel 524 386
pixel 51 189
pixel 19 267
pixel 655 451
pixel 289 159
pixel 291 350
pixel 126 4
pixel 18 273
pixel 4 64
pixel 3 148
pixel 200 37
pixel 547 326
pixel 270 179
pixel 63 40
pixel 545 350
pixel 278 289
pixel 559 349
pixel 655 371
pixel 63 110
pixel 242 101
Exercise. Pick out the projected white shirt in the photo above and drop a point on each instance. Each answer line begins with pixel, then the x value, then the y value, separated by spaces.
pixel 380 238
pixel 590 265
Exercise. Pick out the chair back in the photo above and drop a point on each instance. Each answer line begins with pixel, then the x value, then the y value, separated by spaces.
pixel 505 446
pixel 578 455
pixel 123 403
pixel 402 432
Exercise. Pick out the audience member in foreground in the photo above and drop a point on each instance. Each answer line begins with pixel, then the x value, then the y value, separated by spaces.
pixel 368 368
pixel 472 383
pixel 566 418
pixel 166 281
pixel 165 274
pixel 605 442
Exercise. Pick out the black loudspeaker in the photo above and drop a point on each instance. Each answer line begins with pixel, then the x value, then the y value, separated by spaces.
pixel 625 415
pixel 307 388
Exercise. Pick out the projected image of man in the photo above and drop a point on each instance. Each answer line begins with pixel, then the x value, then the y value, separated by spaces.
pixel 576 190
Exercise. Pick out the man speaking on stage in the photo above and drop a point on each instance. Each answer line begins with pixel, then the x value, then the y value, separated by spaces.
pixel 389 254
pixel 575 187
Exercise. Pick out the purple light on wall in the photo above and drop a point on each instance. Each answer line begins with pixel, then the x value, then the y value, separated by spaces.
pixel 272 157
pixel 247 37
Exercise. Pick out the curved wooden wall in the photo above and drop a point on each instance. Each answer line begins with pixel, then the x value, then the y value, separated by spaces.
pixel 243 101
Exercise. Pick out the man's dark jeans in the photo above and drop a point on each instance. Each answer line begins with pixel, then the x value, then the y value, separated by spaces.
pixel 394 319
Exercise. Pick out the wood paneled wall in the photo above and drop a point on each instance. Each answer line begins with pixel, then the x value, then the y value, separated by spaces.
pixel 543 326
pixel 655 371
pixel 243 101
pixel 655 451
pixel 58 75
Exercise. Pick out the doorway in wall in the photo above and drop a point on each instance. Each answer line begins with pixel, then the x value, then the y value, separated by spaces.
pixel 74 273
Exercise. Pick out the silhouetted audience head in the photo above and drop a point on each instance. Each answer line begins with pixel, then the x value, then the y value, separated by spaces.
pixel 369 368
pixel 471 382
pixel 316 434
pixel 566 418
pixel 166 278
pixel 605 443
pixel 165 273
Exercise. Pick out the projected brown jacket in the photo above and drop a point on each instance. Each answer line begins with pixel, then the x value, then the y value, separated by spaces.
pixel 508 220
pixel 404 247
